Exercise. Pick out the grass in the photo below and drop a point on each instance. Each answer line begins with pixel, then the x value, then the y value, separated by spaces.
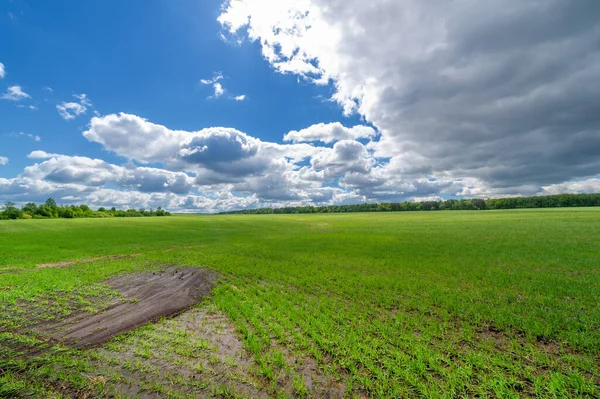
pixel 439 304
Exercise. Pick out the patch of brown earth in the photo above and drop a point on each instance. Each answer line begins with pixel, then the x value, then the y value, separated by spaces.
pixel 318 379
pixel 195 354
pixel 151 296
pixel 9 270
pixel 87 260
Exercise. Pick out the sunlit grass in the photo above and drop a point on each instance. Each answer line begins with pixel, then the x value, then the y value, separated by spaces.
pixel 438 304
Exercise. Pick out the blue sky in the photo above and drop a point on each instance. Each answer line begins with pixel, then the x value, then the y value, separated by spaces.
pixel 147 59
pixel 436 113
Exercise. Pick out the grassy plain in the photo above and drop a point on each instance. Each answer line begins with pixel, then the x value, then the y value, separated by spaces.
pixel 425 304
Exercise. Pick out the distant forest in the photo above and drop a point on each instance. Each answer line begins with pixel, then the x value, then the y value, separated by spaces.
pixel 50 210
pixel 550 201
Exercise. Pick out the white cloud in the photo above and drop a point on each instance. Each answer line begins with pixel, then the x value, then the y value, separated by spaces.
pixel 329 132
pixel 48 89
pixel 574 187
pixel 3 161
pixel 217 76
pixel 14 93
pixel 83 99
pixel 38 154
pixel 31 107
pixel 223 157
pixel 33 137
pixel 218 90
pixel 24 189
pixel 346 156
pixel 136 138
pixel 65 169
pixel 2 71
pixel 217 87
pixel 495 93
pixel 227 160
pixel 71 110
pixel 217 168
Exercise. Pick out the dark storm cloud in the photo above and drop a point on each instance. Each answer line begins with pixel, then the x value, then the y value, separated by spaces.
pixel 501 91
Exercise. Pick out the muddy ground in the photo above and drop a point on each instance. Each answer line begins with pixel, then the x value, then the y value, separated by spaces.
pixel 151 296
pixel 182 350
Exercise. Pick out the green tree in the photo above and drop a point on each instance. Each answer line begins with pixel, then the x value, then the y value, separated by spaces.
pixel 68 213
pixel 30 208
pixel 50 203
pixel 44 211
pixel 478 203
pixel 11 211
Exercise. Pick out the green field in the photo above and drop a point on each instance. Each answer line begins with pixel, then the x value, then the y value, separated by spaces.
pixel 438 304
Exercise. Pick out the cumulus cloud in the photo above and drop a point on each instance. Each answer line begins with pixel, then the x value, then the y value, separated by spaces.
pixel 574 187
pixel 241 97
pixel 218 169
pixel 2 71
pixel 71 110
pixel 95 172
pixel 498 94
pixel 3 161
pixel 38 154
pixel 22 189
pixel 219 145
pixel 227 159
pixel 345 156
pixel 14 93
pixel 329 132
pixel 222 150
pixel 136 138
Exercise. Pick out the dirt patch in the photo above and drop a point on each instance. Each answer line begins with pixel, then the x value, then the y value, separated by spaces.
pixel 150 296
pixel 87 260
pixel 9 270
pixel 318 383
pixel 195 354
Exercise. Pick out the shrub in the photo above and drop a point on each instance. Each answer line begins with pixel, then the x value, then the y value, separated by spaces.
pixel 68 213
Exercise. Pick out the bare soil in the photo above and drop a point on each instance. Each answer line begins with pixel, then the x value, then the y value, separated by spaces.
pixel 224 362
pixel 196 353
pixel 152 296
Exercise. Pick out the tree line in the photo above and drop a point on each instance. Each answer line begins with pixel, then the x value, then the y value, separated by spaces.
pixel 50 210
pixel 549 201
